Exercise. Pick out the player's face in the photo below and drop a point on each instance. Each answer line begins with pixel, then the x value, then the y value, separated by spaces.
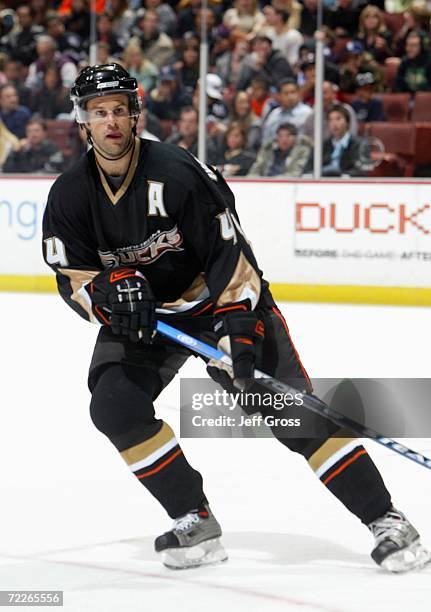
pixel 110 123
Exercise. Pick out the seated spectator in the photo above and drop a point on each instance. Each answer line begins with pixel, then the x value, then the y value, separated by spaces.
pixel 343 18
pixel 329 91
pixel 188 64
pixel 8 142
pixel 309 18
pixel 245 16
pixel 166 14
pixel 242 114
pixel 47 54
pixel 373 34
pixel 414 72
pixel 187 11
pixel 215 104
pixel 217 111
pixel 157 46
pixel 213 36
pixel 123 19
pixel 236 159
pixel 77 20
pixel 103 56
pixel 307 76
pixel 367 106
pixel 187 135
pixel 40 9
pixel 69 44
pixel 167 99
pixel 14 116
pixel 264 62
pixel 21 41
pixel 141 127
pixel 288 156
pixel 228 64
pixel 291 110
pixel 341 151
pixel 13 72
pixel 104 27
pixel 259 95
pixel 284 39
pixel 293 9
pixel 52 99
pixel 144 71
pixel 356 60
pixel 416 19
pixel 37 154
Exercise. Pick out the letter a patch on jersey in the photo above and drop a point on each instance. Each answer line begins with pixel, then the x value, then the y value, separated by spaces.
pixel 156 206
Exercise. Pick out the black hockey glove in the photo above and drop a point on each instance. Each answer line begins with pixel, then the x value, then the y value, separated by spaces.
pixel 123 299
pixel 244 330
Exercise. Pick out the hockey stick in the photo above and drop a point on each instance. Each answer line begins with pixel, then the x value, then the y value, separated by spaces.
pixel 311 402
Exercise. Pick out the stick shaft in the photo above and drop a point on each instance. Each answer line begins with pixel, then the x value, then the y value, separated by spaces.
pixel 311 402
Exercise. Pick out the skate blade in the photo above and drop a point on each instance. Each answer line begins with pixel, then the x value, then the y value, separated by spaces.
pixel 413 557
pixel 209 552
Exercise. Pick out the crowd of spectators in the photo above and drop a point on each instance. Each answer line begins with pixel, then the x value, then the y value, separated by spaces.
pixel 260 82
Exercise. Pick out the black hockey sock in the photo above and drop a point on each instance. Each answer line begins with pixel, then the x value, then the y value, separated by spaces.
pixel 346 469
pixel 159 463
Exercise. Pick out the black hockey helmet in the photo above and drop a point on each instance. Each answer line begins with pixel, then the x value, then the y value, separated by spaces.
pixel 102 80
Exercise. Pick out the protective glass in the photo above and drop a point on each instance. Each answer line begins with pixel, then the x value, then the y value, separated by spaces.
pixel 98 114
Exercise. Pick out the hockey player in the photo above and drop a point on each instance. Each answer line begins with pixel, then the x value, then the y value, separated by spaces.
pixel 139 229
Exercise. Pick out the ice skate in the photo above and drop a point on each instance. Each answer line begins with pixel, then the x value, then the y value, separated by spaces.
pixel 398 547
pixel 194 540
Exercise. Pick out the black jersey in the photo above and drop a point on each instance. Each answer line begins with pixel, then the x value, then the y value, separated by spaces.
pixel 172 218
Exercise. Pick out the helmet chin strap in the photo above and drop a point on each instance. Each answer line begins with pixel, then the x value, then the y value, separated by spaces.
pixel 115 158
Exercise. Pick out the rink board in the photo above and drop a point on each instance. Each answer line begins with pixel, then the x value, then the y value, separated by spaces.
pixel 328 241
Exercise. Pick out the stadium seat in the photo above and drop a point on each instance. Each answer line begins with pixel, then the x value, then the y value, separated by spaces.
pixel 390 69
pixel 422 106
pixel 399 141
pixel 396 105
pixel 58 131
pixel 422 155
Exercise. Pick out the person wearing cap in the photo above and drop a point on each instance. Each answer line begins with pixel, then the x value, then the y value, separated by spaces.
pixel 291 110
pixel 357 60
pixel 307 76
pixel 215 104
pixel 265 62
pixel 287 156
pixel 366 105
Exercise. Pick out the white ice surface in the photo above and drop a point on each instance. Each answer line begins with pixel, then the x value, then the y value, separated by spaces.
pixel 73 518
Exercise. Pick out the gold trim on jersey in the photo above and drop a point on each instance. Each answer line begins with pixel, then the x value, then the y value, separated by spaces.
pixel 148 447
pixel 79 278
pixel 127 179
pixel 245 283
pixel 327 450
pixel 194 294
